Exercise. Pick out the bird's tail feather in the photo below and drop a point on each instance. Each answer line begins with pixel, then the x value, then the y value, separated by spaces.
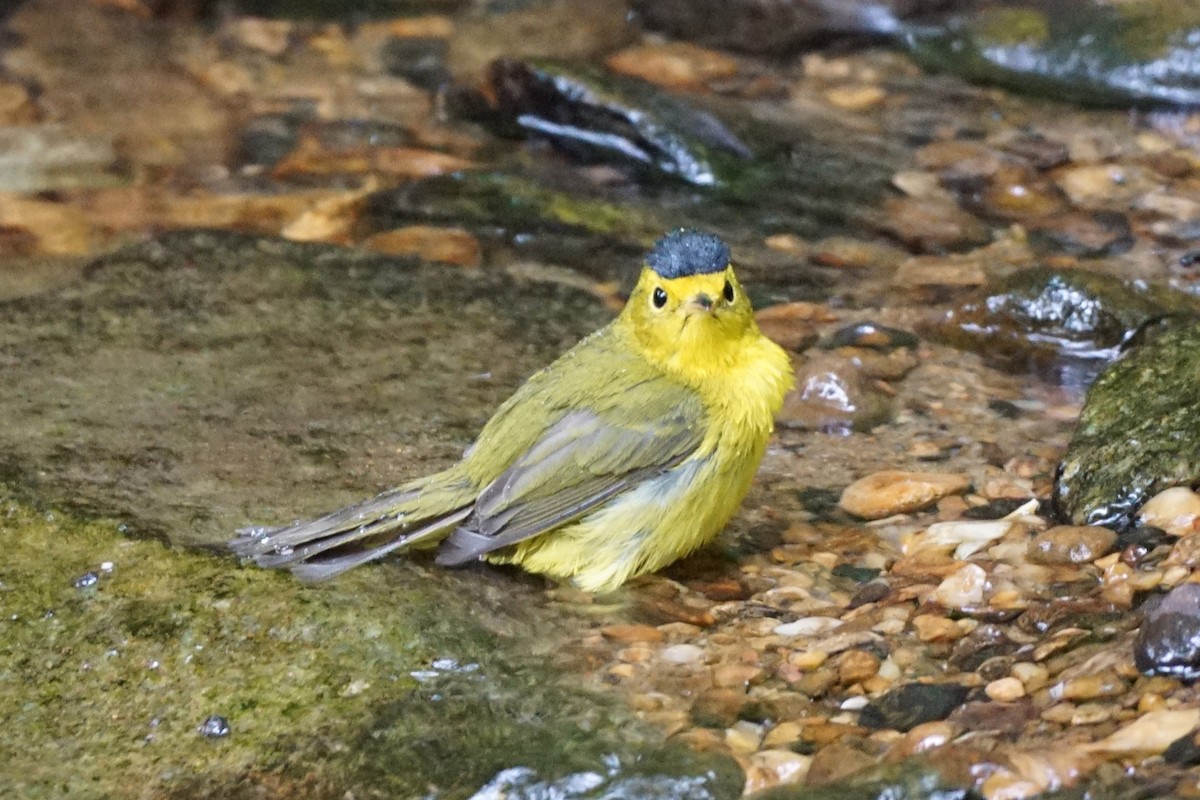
pixel 327 546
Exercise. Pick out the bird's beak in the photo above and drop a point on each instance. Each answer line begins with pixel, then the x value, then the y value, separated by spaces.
pixel 700 302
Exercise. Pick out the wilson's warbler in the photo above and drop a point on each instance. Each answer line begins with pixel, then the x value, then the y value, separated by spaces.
pixel 630 451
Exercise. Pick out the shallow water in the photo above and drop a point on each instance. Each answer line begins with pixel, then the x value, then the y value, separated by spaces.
pixel 174 365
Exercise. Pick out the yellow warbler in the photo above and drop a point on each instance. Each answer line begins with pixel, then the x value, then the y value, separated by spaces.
pixel 630 451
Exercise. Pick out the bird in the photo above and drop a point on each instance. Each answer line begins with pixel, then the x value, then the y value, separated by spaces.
pixel 631 450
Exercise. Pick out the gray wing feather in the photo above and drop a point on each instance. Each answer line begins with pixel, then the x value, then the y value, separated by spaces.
pixel 581 462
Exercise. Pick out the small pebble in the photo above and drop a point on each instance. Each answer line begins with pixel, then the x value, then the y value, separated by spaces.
pixel 1032 676
pixel 1168 642
pixel 631 633
pixel 808 626
pixel 1005 690
pixel 1185 551
pixel 931 225
pixel 769 768
pixel 832 395
pixel 736 675
pixel 808 659
pixel 680 66
pixel 964 588
pixel 86 580
pixel 872 336
pixel 856 666
pixel 718 708
pixel 1089 687
pixel 923 738
pixel 907 706
pixel 1149 734
pixel 744 737
pixel 214 727
pixel 933 628
pixel 1175 510
pixel 682 654
pixel 883 494
pixel 1071 544
pixel 963 536
pixel 856 98
pixel 782 735
pixel 1092 714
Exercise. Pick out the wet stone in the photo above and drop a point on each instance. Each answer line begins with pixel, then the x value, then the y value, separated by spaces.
pixel 1056 615
pixel 1184 751
pixel 910 705
pixel 605 119
pixel 870 335
pixel 1168 642
pixel 1175 510
pixel 1015 194
pixel 833 396
pixel 1136 434
pixel 1039 317
pixel 718 708
pixel 931 226
pixel 1081 233
pixel 1123 54
pixel 343 339
pixel 679 66
pixel 419 60
pixel 994 509
pixel 214 727
pixel 44 158
pixel 895 492
pixel 1071 544
pixel 1038 150
pixel 86 581
pixel 981 644
pixel 836 762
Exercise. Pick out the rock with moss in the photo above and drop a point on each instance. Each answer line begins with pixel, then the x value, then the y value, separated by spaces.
pixel 176 674
pixel 1132 53
pixel 1137 433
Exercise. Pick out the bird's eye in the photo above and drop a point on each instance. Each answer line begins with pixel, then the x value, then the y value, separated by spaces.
pixel 660 297
pixel 728 292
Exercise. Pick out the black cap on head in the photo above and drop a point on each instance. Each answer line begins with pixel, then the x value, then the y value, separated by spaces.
pixel 685 252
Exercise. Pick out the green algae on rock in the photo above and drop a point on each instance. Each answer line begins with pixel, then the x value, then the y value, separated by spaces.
pixel 390 683
pixel 1137 433
pixel 1057 320
pixel 1131 53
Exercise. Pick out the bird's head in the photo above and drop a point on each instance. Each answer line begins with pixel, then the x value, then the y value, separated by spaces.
pixel 688 312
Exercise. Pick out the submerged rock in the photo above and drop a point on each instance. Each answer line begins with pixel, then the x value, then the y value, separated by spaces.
pixel 47 158
pixel 1137 433
pixel 221 379
pixel 1168 642
pixel 214 727
pixel 235 682
pixel 1043 318
pixel 913 779
pixel 1140 52
pixel 908 706
pixel 603 118
pixel 833 395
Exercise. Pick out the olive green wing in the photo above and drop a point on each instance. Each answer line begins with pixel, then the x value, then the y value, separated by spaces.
pixel 586 458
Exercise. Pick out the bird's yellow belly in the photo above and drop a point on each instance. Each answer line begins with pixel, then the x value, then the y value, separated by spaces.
pixel 648 527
